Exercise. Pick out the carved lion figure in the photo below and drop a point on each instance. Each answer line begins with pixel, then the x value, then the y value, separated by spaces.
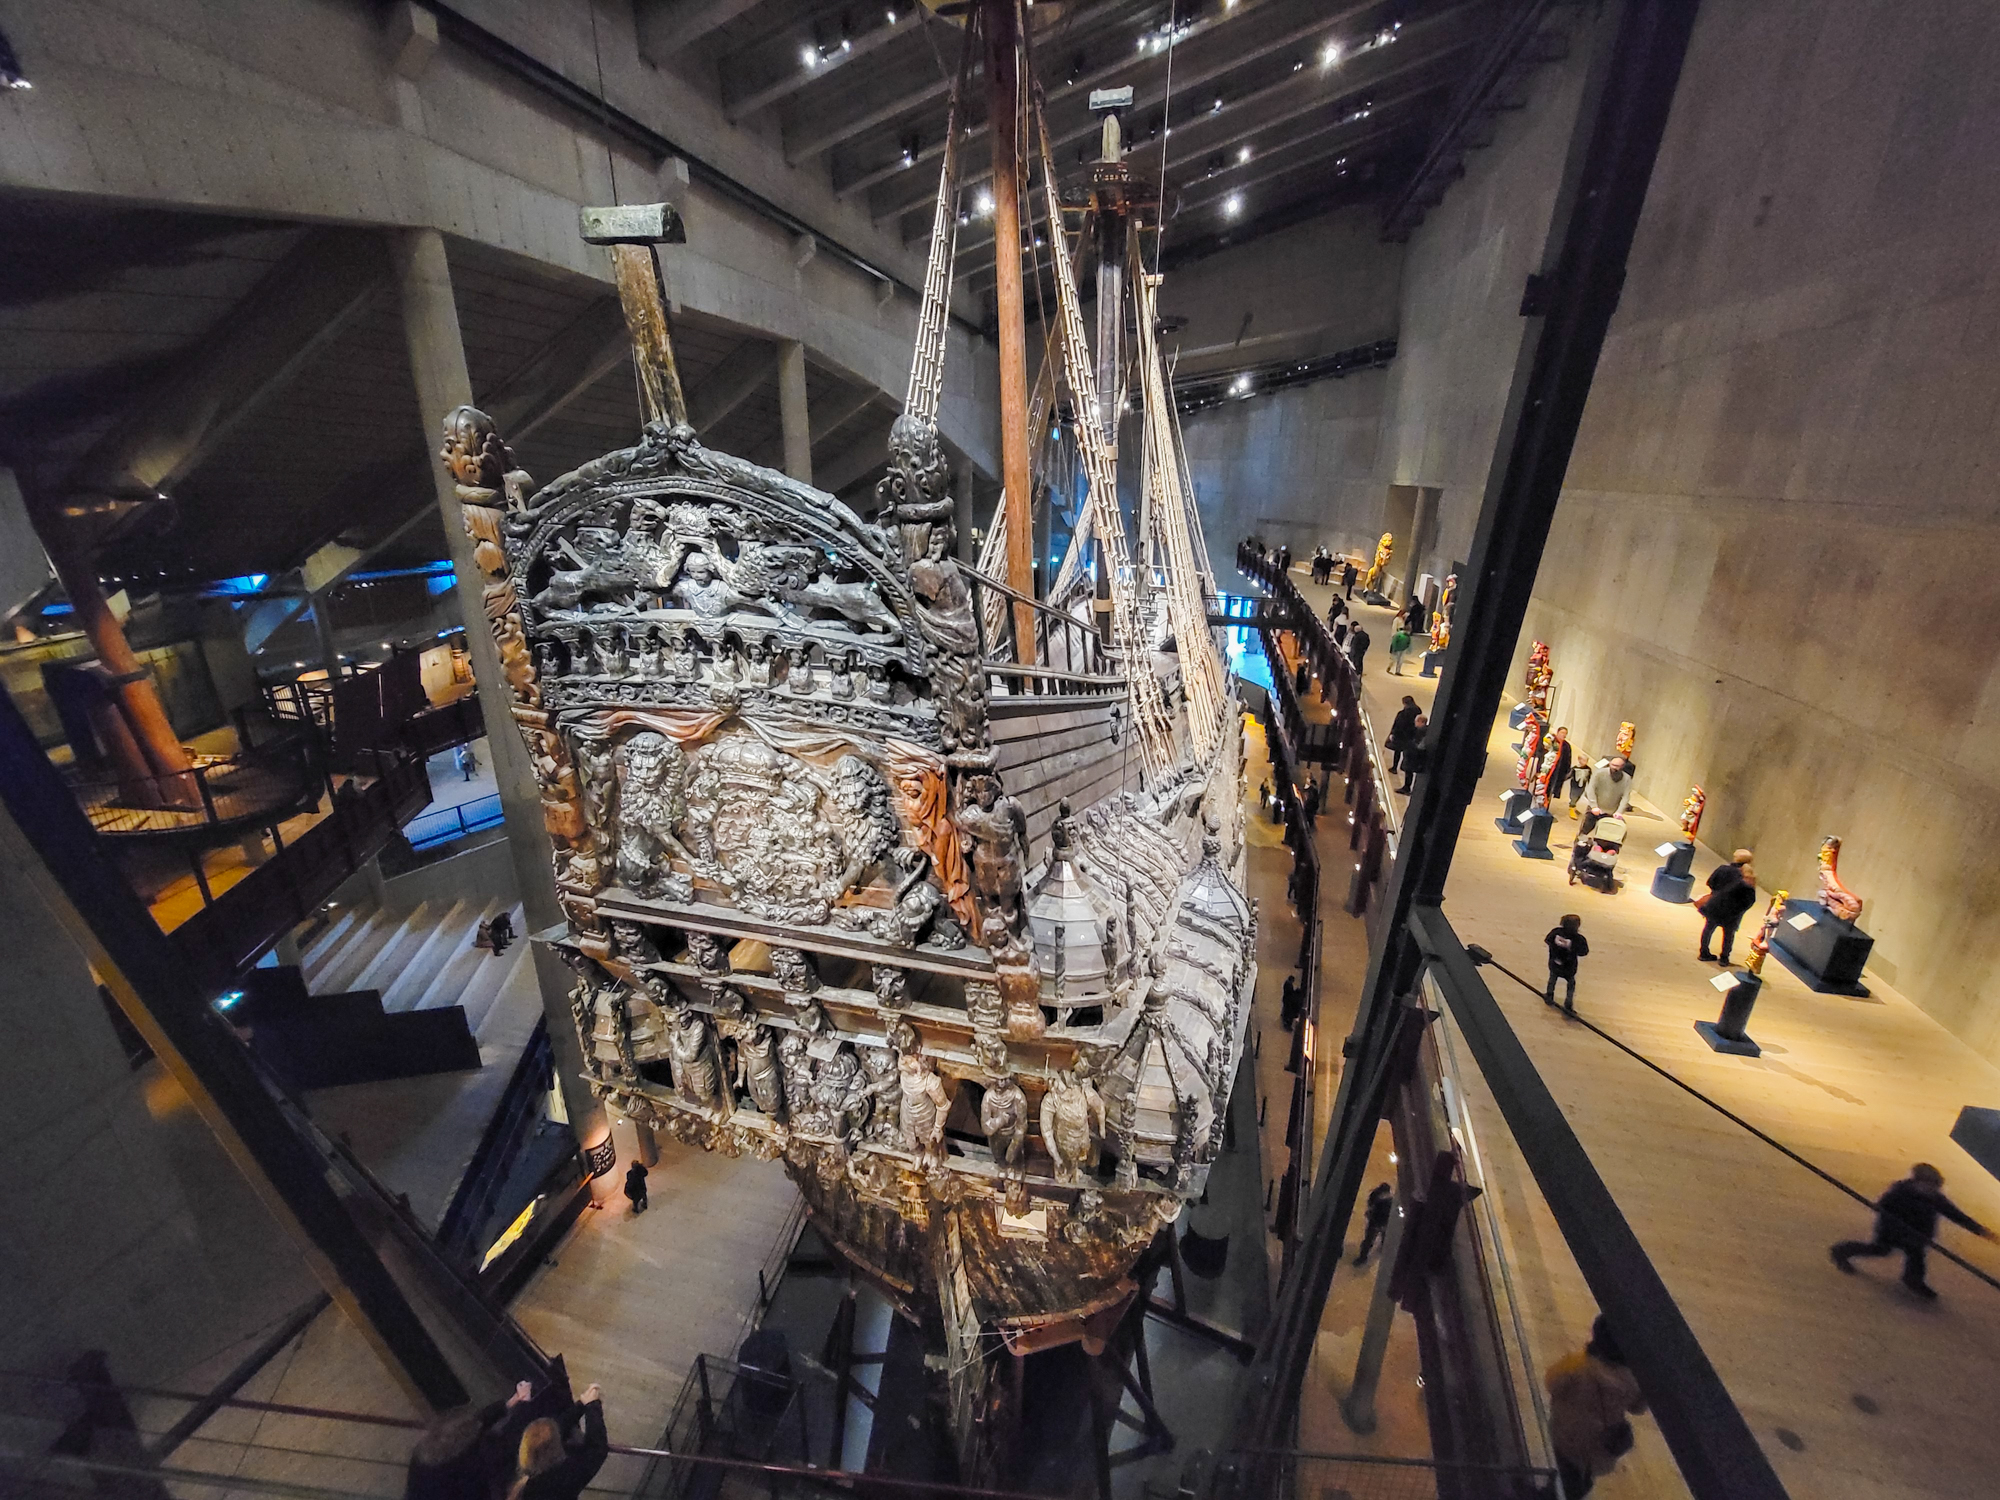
pixel 652 800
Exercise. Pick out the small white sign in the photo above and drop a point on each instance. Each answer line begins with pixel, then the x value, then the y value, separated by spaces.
pixel 1725 982
pixel 1802 921
pixel 1664 850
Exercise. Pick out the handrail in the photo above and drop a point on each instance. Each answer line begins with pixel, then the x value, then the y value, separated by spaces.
pixel 473 1199
pixel 254 787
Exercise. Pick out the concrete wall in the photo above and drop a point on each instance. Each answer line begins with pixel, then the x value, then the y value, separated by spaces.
pixel 481 872
pixel 1777 549
pixel 302 117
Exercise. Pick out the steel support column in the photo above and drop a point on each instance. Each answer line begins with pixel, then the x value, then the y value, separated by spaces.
pixel 1638 51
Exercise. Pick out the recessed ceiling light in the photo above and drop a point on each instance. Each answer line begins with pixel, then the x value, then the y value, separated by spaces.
pixel 1232 206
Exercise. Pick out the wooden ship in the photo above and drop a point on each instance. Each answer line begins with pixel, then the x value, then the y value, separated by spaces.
pixel 875 864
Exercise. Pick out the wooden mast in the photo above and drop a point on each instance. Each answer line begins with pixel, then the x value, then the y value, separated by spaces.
pixel 1003 79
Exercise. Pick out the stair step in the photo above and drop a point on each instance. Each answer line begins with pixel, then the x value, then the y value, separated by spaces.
pixel 355 954
pixel 323 946
pixel 436 950
pixel 509 1014
pixel 462 966
pixel 487 981
pixel 402 945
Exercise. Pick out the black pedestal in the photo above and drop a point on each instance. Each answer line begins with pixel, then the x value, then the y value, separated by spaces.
pixel 1517 715
pixel 1671 881
pixel 1727 1033
pixel 1377 598
pixel 1513 806
pixel 1827 956
pixel 1534 840
pixel 1430 664
pixel 1978 1135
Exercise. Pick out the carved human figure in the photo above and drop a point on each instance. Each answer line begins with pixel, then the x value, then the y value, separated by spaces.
pixel 707 952
pixel 759 1072
pixel 1834 896
pixel 840 1096
pixel 891 987
pixel 597 772
pixel 885 1093
pixel 994 833
pixel 697 1073
pixel 1003 1115
pixel 1691 810
pixel 649 663
pixel 799 671
pixel 652 800
pixel 1760 945
pixel 684 665
pixel 796 1064
pixel 617 660
pixel 632 942
pixel 840 679
pixel 1072 1122
pixel 924 1104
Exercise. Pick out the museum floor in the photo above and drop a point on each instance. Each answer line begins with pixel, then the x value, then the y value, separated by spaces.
pixel 1853 1386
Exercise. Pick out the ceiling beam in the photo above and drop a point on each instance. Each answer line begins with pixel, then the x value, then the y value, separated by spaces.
pixel 666 27
pixel 854 463
pixel 847 181
pixel 819 132
pixel 775 68
pixel 594 344
pixel 744 371
pixel 1330 143
pixel 306 299
pixel 829 414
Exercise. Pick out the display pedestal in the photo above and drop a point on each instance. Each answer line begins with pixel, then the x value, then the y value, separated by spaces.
pixel 1377 598
pixel 1825 953
pixel 1672 880
pixel 1513 807
pixel 1977 1133
pixel 1517 715
pixel 1727 1032
pixel 1430 664
pixel 1534 840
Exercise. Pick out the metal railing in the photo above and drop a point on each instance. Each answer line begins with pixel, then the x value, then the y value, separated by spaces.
pixel 430 829
pixel 478 1191
pixel 254 788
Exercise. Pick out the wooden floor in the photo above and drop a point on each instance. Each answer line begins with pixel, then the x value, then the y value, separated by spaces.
pixel 1854 1387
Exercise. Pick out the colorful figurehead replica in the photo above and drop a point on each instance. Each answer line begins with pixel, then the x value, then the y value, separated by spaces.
pixel 1691 807
pixel 1628 736
pixel 1378 570
pixel 1760 945
pixel 1545 773
pixel 1540 675
pixel 1834 896
pixel 1532 729
pixel 1441 616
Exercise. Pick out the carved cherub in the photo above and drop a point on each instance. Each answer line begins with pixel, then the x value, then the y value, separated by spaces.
pixel 1072 1122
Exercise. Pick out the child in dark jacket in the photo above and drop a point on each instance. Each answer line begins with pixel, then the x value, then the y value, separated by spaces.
pixel 1566 944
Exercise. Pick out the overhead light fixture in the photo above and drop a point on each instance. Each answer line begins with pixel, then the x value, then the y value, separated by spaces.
pixel 809 56
pixel 1240 386
pixel 1243 155
pixel 1232 206
pixel 892 17
pixel 984 203
pixel 1329 55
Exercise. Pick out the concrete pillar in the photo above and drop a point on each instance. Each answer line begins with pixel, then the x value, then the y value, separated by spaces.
pixel 437 364
pixel 792 411
pixel 1357 1408
pixel 1420 523
pixel 329 653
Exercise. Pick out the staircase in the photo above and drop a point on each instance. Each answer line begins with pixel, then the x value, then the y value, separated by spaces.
pixel 418 962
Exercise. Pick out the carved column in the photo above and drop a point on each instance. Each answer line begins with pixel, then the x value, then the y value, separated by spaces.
pixel 437 364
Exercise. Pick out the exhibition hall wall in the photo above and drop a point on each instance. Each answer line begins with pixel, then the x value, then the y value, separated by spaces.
pixel 1316 463
pixel 1776 552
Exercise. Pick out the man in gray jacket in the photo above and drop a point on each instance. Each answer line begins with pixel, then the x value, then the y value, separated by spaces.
pixel 1606 795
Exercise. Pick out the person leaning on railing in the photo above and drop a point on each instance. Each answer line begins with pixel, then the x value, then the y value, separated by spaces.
pixel 549 1465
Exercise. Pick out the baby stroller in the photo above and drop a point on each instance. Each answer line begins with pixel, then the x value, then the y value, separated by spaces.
pixel 1594 860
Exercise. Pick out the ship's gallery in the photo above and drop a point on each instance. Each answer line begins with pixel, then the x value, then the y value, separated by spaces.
pixel 1088 748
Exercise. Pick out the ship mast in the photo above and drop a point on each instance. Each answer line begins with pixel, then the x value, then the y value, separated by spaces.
pixel 1000 23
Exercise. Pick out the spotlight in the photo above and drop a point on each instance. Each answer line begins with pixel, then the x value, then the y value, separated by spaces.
pixel 809 56
pixel 1232 206
pixel 984 203
pixel 1330 55
pixel 1243 155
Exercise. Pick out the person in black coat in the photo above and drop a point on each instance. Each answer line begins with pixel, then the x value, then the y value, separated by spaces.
pixel 1357 646
pixel 1375 1219
pixel 1399 731
pixel 635 1185
pixel 1416 755
pixel 1566 944
pixel 553 1466
pixel 1348 574
pixel 1311 802
pixel 462 1455
pixel 1290 1000
pixel 1302 677
pixel 1732 891
pixel 1335 610
pixel 1906 1219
